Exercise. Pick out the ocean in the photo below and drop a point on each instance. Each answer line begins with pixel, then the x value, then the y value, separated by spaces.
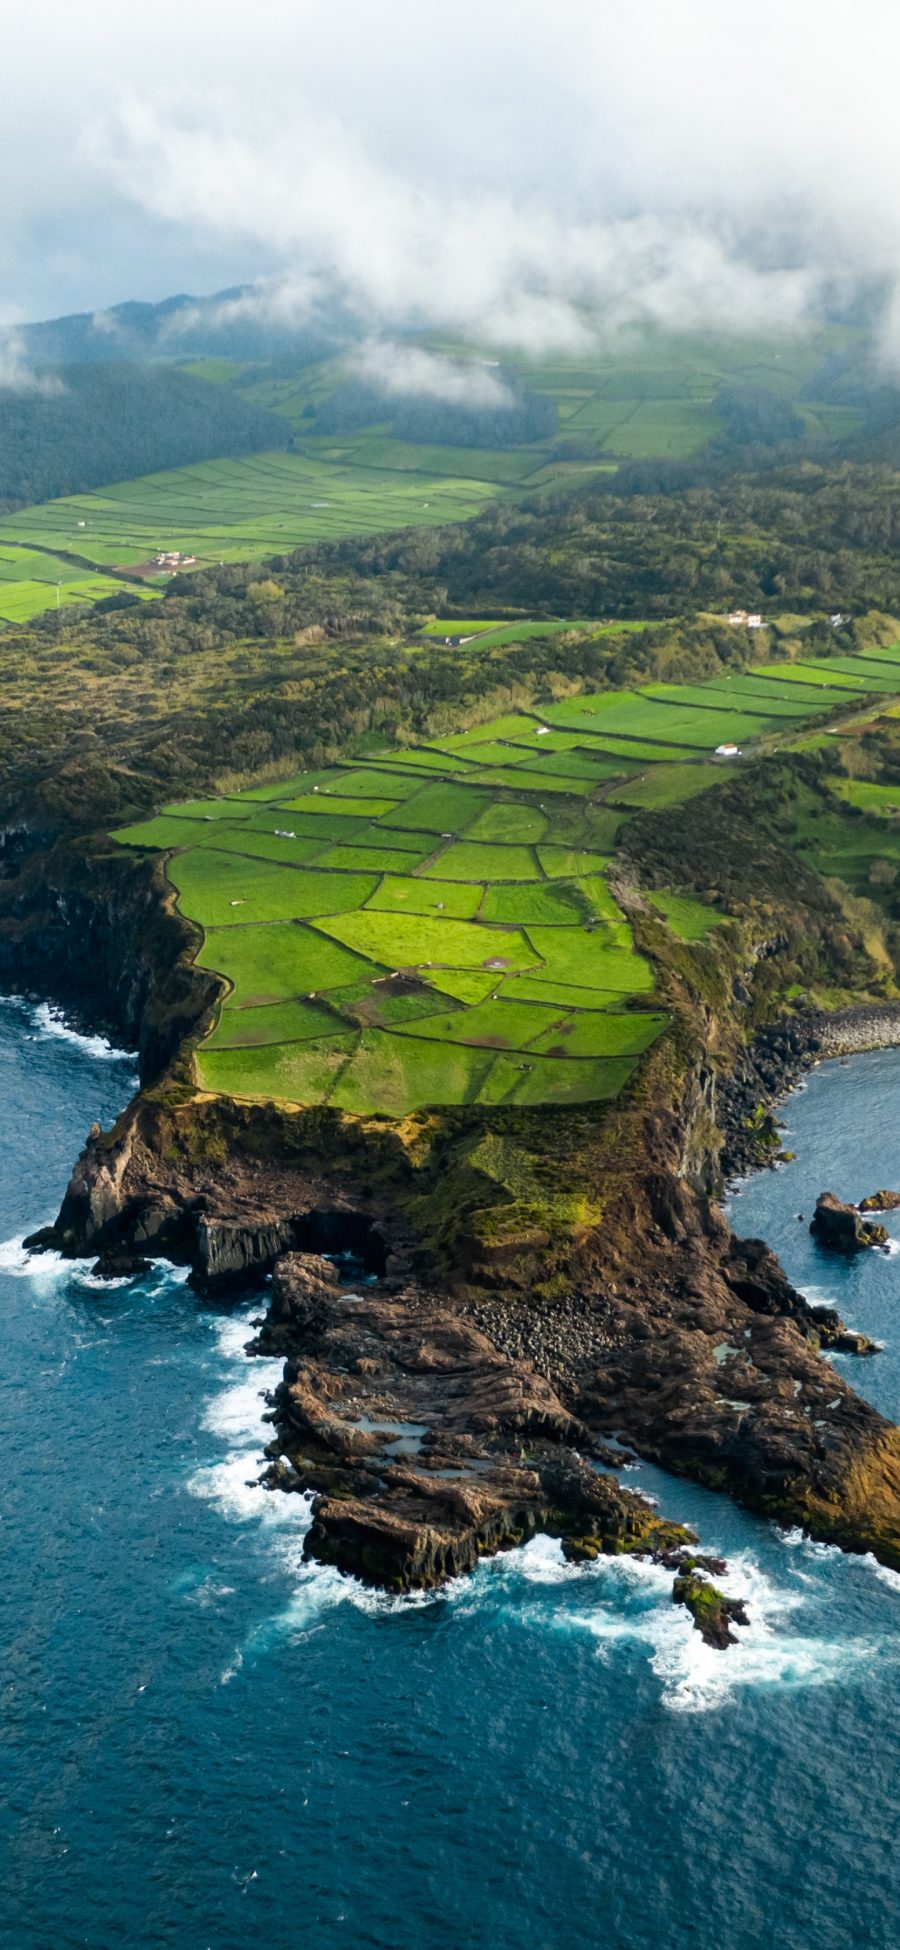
pixel 206 1744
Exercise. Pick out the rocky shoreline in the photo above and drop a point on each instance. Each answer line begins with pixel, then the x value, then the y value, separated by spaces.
pixel 436 1423
pixel 775 1063
pixel 475 1395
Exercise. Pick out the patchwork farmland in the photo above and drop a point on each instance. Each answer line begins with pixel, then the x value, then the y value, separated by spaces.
pixel 659 398
pixel 436 926
pixel 221 511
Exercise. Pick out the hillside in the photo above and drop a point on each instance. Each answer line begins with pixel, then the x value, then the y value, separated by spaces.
pixel 186 456
pixel 84 425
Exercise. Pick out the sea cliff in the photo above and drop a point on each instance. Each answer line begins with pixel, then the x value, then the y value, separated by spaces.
pixel 515 1340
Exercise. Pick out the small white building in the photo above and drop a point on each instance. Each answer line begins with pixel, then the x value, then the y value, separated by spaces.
pixel 745 619
pixel 728 751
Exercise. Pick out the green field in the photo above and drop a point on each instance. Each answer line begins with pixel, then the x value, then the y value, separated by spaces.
pixel 881 799
pixel 218 511
pixel 446 939
pixel 386 979
pixel 657 397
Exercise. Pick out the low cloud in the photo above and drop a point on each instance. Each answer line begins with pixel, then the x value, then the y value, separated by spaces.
pixel 513 271
pixel 406 371
pixel 514 173
pixel 16 375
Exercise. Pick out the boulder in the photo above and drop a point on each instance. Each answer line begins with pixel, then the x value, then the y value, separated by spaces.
pixel 879 1202
pixel 840 1229
pixel 113 1265
pixel 712 1612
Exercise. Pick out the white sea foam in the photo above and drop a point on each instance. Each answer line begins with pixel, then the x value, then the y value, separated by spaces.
pixel 16 1261
pixel 883 1573
pixel 51 1021
pixel 616 1601
pixel 698 1678
pixel 46 1267
pixel 622 1601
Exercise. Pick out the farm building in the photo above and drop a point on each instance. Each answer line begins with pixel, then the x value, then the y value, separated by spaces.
pixel 727 751
pixel 748 619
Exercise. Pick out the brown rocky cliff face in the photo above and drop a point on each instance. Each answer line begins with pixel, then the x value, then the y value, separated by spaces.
pixel 659 1328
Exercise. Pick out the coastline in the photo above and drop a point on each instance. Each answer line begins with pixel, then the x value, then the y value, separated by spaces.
pixel 774 1063
pixel 609 1333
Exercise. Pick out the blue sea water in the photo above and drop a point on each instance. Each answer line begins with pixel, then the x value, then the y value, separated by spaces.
pixel 207 1745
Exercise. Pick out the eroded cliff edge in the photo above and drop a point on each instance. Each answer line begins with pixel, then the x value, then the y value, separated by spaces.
pixel 503 1361
pixel 550 1286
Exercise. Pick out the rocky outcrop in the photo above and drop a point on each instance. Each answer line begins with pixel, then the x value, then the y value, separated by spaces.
pixel 712 1612
pixel 758 1278
pixel 659 1328
pixel 120 1266
pixel 159 1185
pixel 839 1228
pixel 425 1448
pixel 880 1202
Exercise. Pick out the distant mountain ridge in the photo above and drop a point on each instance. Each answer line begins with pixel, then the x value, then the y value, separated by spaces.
pixel 226 324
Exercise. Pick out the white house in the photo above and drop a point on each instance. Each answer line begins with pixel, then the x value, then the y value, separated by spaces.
pixel 728 751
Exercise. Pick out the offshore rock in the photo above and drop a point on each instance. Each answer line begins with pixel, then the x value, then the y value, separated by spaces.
pixel 119 1266
pixel 712 1612
pixel 758 1278
pixel 879 1202
pixel 840 1229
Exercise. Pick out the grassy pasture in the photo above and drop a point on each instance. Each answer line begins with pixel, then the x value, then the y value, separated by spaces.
pixel 249 840
pixel 690 919
pixel 401 895
pixel 821 674
pixel 565 996
pixel 303 1073
pixel 510 823
pixel 277 1022
pixel 592 961
pixel 395 938
pixel 567 863
pixel 276 963
pixel 884 800
pixel 165 831
pixel 230 889
pixel 227 510
pixel 671 785
pixel 393 1074
pixel 533 903
pixel 320 806
pixel 479 860
pixel 659 399
pixel 500 1024
pixel 420 941
pixel 728 697
pixel 501 776
pixel 600 1033
pixel 546 1079
pixel 437 809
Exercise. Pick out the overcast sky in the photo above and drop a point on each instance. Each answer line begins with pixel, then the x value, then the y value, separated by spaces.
pixel 496 165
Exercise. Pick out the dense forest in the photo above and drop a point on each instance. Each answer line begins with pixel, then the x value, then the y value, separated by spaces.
pixel 804 536
pixel 243 668
pixel 96 423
